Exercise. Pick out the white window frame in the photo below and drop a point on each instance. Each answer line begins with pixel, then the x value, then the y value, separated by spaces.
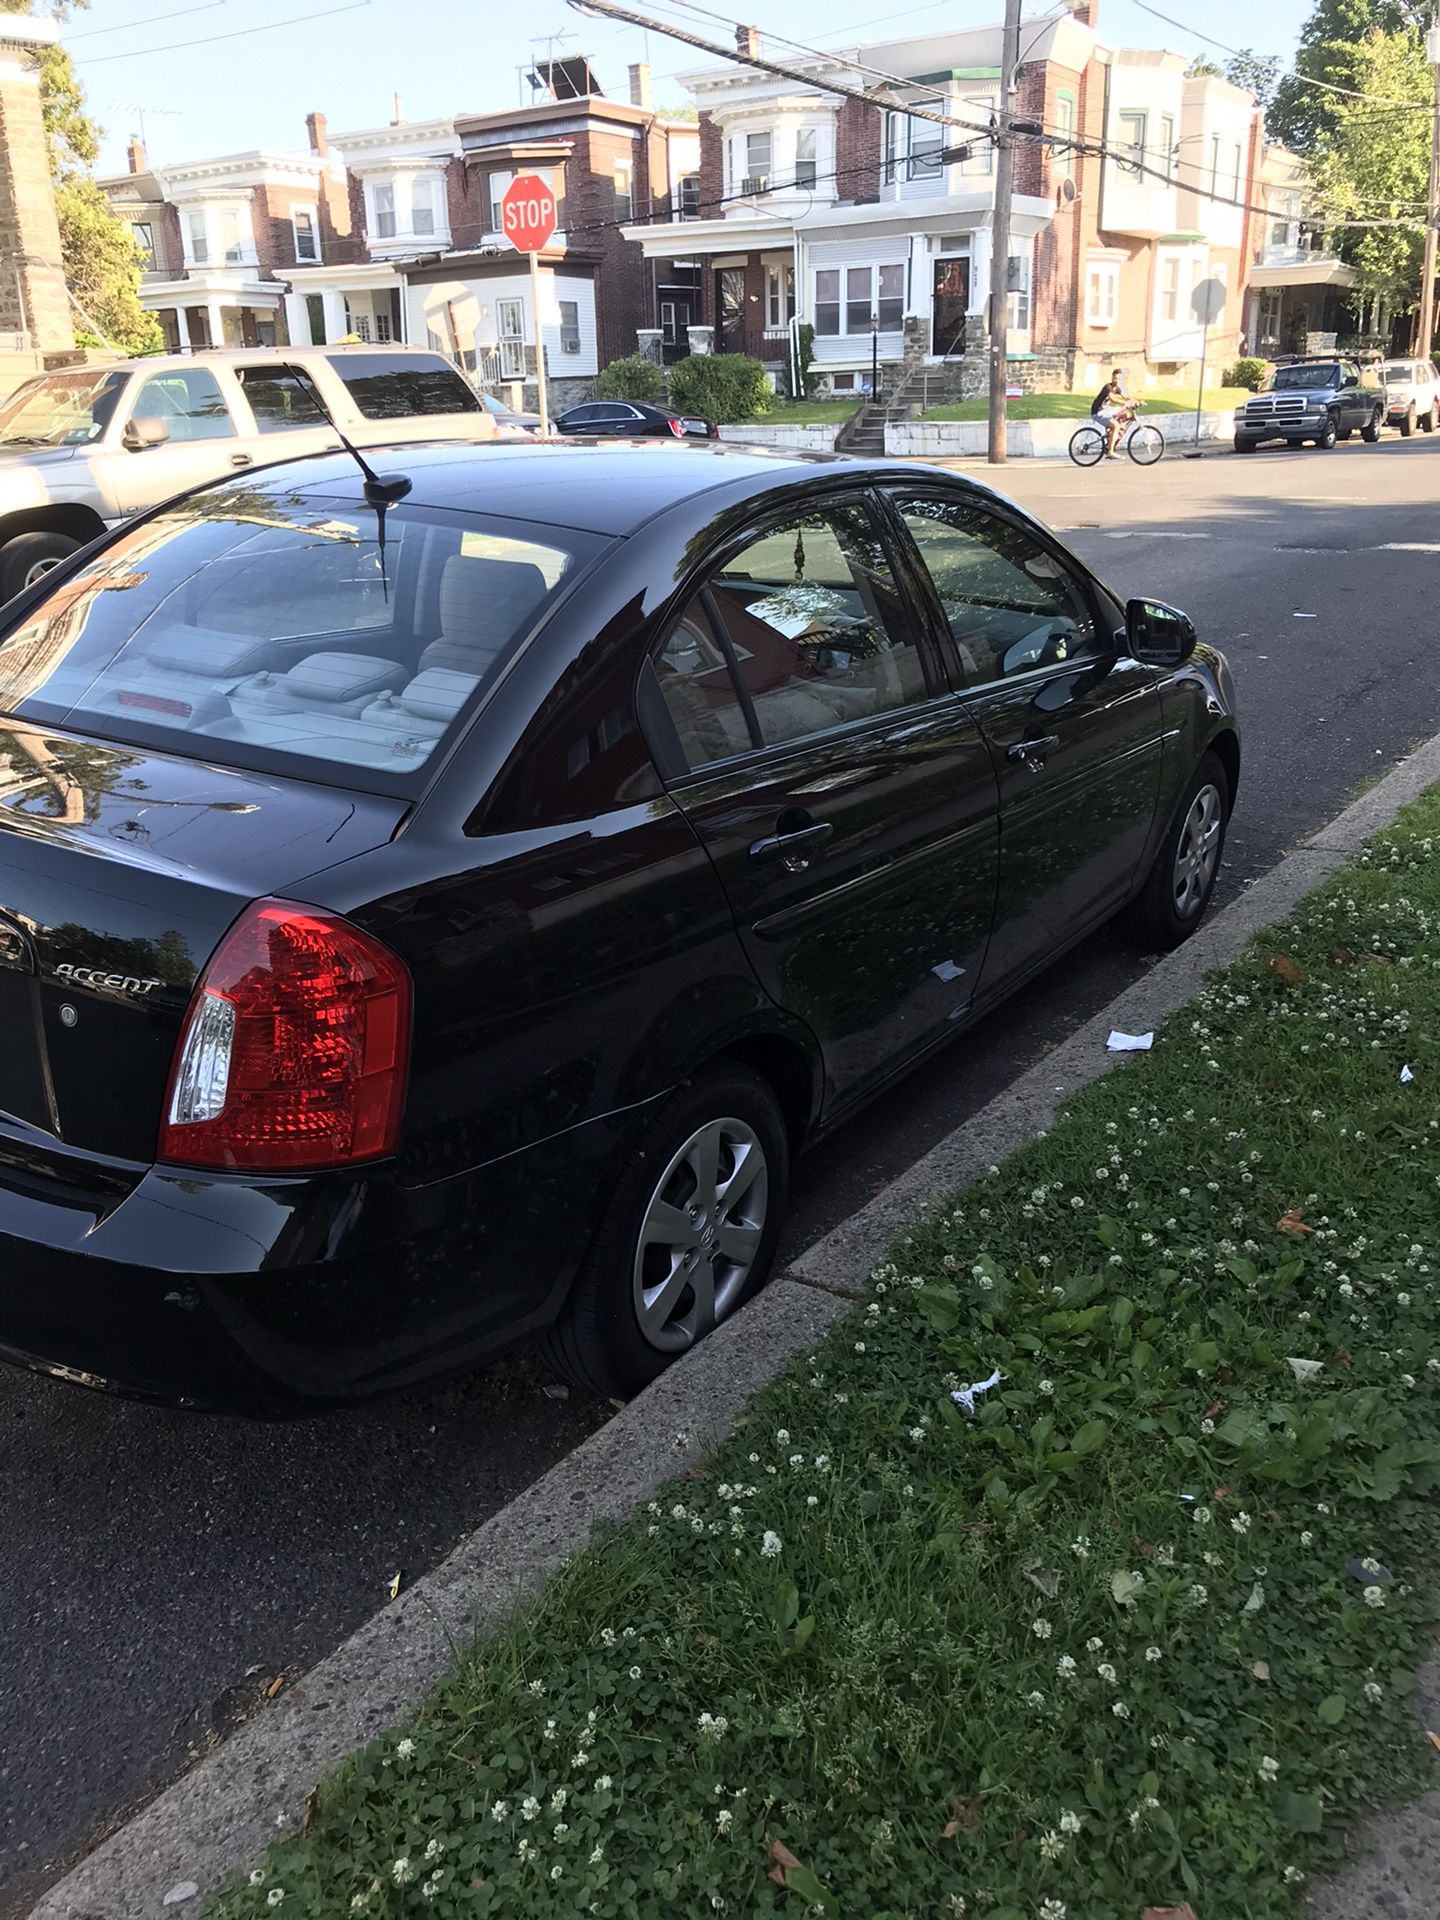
pixel 428 186
pixel 378 214
pixel 1170 289
pixel 752 172
pixel 146 248
pixel 510 324
pixel 1102 279
pixel 1167 145
pixel 312 214
pixel 498 185
pixel 912 146
pixel 981 163
pixel 1134 149
pixel 779 296
pixel 569 329
pixel 197 228
pixel 1020 297
pixel 623 174
pixel 810 161
pixel 1062 154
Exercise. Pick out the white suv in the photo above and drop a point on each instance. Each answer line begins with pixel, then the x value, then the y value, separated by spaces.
pixel 85 449
pixel 1412 389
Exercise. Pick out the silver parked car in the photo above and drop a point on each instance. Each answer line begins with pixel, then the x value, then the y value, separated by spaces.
pixel 83 450
pixel 1412 388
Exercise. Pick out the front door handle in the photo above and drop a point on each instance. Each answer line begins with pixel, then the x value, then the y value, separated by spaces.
pixel 1031 752
pixel 794 849
pixel 242 460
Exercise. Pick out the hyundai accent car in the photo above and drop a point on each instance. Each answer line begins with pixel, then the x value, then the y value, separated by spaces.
pixel 435 907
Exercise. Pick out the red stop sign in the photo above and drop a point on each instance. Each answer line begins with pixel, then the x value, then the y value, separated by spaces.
pixel 528 213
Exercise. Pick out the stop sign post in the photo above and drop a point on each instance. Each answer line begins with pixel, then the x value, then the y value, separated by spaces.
pixel 527 216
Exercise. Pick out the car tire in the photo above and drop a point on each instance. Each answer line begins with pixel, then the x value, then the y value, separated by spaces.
pixel 1407 422
pixel 1427 420
pixel 627 1317
pixel 28 556
pixel 1245 446
pixel 1162 915
pixel 1327 435
pixel 1371 432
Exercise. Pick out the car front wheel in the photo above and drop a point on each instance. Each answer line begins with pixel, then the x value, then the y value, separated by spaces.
pixel 1178 887
pixel 28 557
pixel 689 1234
pixel 1245 446
pixel 1326 436
pixel 1407 422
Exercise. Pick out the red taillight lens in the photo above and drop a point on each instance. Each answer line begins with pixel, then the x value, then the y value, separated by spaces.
pixel 295 1048
pixel 677 427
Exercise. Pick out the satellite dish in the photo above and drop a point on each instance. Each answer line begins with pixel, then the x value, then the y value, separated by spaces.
pixel 1067 194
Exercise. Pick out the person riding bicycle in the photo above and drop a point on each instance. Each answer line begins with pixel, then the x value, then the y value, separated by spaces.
pixel 1113 409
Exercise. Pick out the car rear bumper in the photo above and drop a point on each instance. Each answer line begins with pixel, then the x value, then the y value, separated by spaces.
pixel 221 1293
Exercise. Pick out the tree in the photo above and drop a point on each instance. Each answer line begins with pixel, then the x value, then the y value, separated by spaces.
pixel 1331 44
pixel 1374 162
pixel 102 263
pixel 1258 73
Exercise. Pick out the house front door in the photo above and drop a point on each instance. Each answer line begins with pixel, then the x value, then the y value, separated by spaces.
pixel 730 310
pixel 951 301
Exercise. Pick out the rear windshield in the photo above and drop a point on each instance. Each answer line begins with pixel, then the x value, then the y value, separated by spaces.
pixel 1399 372
pixel 1311 378
pixel 269 632
pixel 62 410
pixel 394 386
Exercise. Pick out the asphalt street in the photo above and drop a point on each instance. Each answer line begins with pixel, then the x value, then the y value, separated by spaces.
pixel 162 1572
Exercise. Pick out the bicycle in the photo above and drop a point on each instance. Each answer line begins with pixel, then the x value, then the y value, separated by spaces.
pixel 1142 442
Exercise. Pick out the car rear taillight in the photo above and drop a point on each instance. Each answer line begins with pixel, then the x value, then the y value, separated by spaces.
pixel 677 427
pixel 295 1048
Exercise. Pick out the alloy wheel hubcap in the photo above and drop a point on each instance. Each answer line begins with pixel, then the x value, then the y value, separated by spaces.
pixel 39 569
pixel 1197 853
pixel 700 1234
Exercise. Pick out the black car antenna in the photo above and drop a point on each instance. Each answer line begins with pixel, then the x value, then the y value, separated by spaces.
pixel 381 493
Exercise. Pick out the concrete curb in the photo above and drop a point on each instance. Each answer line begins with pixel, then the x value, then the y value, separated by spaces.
pixel 222 1813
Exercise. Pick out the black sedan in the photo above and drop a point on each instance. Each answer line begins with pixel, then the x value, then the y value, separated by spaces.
pixel 629 420
pixel 429 920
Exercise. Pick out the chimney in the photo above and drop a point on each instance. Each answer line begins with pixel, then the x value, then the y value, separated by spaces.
pixel 747 41
pixel 399 119
pixel 135 153
pixel 640 84
pixel 319 143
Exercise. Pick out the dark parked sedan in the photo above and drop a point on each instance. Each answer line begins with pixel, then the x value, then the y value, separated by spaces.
pixel 629 420
pixel 425 923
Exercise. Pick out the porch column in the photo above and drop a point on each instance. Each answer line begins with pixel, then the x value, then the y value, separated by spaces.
pixel 335 326
pixel 215 312
pixel 182 329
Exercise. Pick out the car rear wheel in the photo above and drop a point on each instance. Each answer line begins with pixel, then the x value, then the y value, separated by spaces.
pixel 1178 887
pixel 1371 432
pixel 689 1234
pixel 1326 436
pixel 1407 421
pixel 28 557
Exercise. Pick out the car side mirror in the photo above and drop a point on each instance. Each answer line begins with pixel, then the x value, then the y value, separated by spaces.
pixel 1348 381
pixel 1158 635
pixel 144 431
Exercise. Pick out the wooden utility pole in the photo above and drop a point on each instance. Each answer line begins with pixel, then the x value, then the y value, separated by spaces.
pixel 1000 233
pixel 1426 331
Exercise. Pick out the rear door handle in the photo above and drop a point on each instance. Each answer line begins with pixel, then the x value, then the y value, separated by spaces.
pixel 794 850
pixel 242 460
pixel 1032 751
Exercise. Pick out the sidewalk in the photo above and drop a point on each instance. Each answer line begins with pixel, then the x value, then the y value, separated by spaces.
pixel 1132 1625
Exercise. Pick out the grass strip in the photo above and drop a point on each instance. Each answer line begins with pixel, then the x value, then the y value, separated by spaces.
pixel 1137 1632
pixel 1076 406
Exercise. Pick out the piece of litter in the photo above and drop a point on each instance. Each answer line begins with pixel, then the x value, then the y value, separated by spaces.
pixel 947 970
pixel 1433 1738
pixel 182 1890
pixel 1305 1369
pixel 1188 1499
pixel 965 1396
pixel 1304 616
pixel 394 1587
pixel 555 1390
pixel 1406 1076
pixel 1129 1042
pixel 1261 1670
pixel 1370 1573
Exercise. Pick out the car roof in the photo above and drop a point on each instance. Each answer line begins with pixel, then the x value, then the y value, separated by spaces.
pixel 607 486
pixel 243 356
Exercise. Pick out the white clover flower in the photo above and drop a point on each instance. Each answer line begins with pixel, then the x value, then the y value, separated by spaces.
pixel 797 1460
pixel 1036 1700
pixel 558 1799
pixel 1202 1516
pixel 1207 1426
pixel 1094 1644
pixel 556 1872
pixel 604 1783
pixel 770 1545
pixel 525 1851
pixel 529 1807
pixel 1307 1539
pixel 859 1346
pixel 712 1726
pixel 1120 1710
pixel 274 1896
pixel 1080 1546
pixel 597 1853
pixel 1052 1845
pixel 401 1871
pixel 1374 1596
pixel 499 1809
pixel 1052 1910
pixel 1040 1629
pixel 1268 1769
pixel 560 1829
pixel 1197 1595
pixel 1370 1564
pixel 434 1850
pixel 1294 1876
pixel 580 1759
pixel 1069 1822
pixel 917 1433
pixel 1374 1691
pixel 724 1819
pixel 1066 1667
pixel 782 1434
pixel 812 1499
pixel 1241 1522
pixel 607 1636
pixel 1152 1654
pixel 822 1462
pixel 257 1876
pixel 634 1673
pixel 1106 1673
pixel 1046 1386
pixel 405 1748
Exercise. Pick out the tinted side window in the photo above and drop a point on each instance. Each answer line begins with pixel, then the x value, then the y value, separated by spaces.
pixel 1009 604
pixel 279 398
pixel 814 627
pixel 190 403
pixel 392 386
pixel 701 692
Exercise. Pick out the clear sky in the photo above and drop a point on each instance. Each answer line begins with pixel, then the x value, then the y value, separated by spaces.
pixel 348 58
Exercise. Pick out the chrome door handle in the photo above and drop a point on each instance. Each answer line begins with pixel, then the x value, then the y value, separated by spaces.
pixel 794 850
pixel 241 460
pixel 1032 752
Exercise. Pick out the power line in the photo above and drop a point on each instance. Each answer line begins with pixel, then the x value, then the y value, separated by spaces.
pixel 207 6
pixel 241 33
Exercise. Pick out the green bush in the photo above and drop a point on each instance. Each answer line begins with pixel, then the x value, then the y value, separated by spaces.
pixel 1247 372
pixel 722 386
pixel 635 378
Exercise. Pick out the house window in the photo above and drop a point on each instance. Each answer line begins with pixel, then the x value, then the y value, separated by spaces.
pixel 1063 152
pixel 1235 163
pixel 1102 292
pixel 1167 145
pixel 624 199
pixel 858 305
pixel 1017 286
pixel 827 300
pixel 805 161
pixel 982 151
pixel 198 238
pixel 757 157
pixel 231 244
pixel 422 206
pixel 382 327
pixel 912 147
pixel 499 187
pixel 891 302
pixel 1132 142
pixel 690 197
pixel 569 326
pixel 384 204
pixel 307 243
pixel 143 234
pixel 669 327
pixel 1170 287
pixel 779 297
pixel 1214 163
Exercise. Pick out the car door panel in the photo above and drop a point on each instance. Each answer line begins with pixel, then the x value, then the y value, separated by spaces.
pixel 204 444
pixel 859 854
pixel 1074 726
